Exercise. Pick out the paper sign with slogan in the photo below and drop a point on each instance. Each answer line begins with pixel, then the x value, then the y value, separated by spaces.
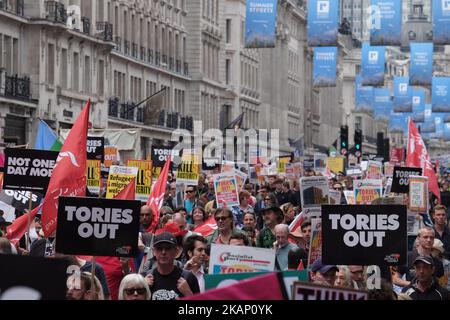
pixel 232 259
pixel 310 291
pixel 314 192
pixel 93 176
pixel 226 188
pixel 320 162
pixel 188 172
pixel 364 235
pixel 98 227
pixel 400 181
pixel 119 177
pixel 336 164
pixel 28 169
pixel 367 190
pixel 374 170
pixel 418 194
pixel 47 281
pixel 388 169
pixel 349 196
pixel 95 148
pixel 282 161
pixel 144 178
pixel 110 156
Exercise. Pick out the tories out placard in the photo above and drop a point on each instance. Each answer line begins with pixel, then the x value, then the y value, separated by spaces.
pixel 364 234
pixel 98 227
pixel 95 148
pixel 400 182
pixel 28 169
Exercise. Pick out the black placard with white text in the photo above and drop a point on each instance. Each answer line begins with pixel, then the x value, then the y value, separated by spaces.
pixel 364 234
pixel 95 148
pixel 28 169
pixel 400 178
pixel 98 227
pixel 32 278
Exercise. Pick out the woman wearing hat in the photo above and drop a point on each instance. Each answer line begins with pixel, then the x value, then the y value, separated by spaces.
pixel 272 216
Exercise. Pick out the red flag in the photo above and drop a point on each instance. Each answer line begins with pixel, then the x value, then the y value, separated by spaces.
pixel 266 287
pixel 206 228
pixel 301 266
pixel 156 197
pixel 17 229
pixel 417 156
pixel 69 175
pixel 127 193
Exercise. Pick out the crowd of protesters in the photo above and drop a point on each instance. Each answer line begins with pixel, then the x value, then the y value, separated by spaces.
pixel 173 260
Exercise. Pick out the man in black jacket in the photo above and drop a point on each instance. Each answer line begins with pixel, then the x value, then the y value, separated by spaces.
pixel 425 286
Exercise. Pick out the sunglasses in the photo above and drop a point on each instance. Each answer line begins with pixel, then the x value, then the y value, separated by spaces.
pixel 337 188
pixel 190 191
pixel 131 291
pixel 221 218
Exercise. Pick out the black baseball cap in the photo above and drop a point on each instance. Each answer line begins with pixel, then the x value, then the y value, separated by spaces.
pixel 165 237
pixel 425 259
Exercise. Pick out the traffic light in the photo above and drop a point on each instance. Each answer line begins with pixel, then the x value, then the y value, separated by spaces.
pixel 344 140
pixel 358 143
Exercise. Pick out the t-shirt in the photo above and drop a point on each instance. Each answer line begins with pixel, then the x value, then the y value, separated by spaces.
pixel 165 286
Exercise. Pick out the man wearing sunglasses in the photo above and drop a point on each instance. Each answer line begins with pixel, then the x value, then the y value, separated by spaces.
pixel 339 187
pixel 167 281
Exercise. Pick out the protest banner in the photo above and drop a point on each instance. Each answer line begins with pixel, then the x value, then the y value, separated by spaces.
pixel 20 199
pixel 110 156
pixel 314 192
pixel 293 170
pixel 233 259
pixel 213 281
pixel 349 197
pixel 282 162
pixel 95 148
pixel 315 245
pixel 241 178
pixel 396 155
pixel 335 197
pixel 159 157
pixel 93 176
pixel 364 234
pixel 354 172
pixel 259 169
pixel 143 179
pixel 226 188
pixel 252 177
pixel 119 177
pixel 320 163
pixel 47 281
pixel 418 194
pixel 336 164
pixel 189 170
pixel 374 170
pixel 98 227
pixel 400 181
pixel 28 169
pixel 352 161
pixel 309 291
pixel 367 190
pixel 388 169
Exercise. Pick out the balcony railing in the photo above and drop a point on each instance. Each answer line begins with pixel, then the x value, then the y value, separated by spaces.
pixel 173 120
pixel 86 25
pixel 17 87
pixel 118 42
pixel 178 66
pixel 150 55
pixel 127 47
pixel 140 115
pixel 186 68
pixel 113 107
pixel 142 53
pixel 134 50
pixel 16 6
pixel 127 111
pixel 157 58
pixel 106 30
pixel 55 12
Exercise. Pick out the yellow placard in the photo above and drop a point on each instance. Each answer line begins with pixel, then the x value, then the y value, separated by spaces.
pixel 119 177
pixel 93 175
pixel 336 165
pixel 282 164
pixel 189 170
pixel 143 179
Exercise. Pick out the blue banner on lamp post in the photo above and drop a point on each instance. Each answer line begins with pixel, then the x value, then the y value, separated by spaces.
pixel 421 66
pixel 441 22
pixel 440 94
pixel 323 22
pixel 325 59
pixel 402 95
pixel 260 23
pixel 373 64
pixel 386 22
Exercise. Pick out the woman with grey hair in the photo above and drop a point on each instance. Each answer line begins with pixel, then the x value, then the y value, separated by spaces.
pixel 134 287
pixel 343 278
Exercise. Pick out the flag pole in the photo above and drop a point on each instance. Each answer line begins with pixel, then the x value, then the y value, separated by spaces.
pixel 145 100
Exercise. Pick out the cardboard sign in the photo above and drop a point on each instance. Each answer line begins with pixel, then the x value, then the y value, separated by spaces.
pixel 143 179
pixel 320 163
pixel 418 194
pixel 28 169
pixel 336 164
pixel 95 148
pixel 374 170
pixel 226 188
pixel 159 156
pixel 189 171
pixel 119 177
pixel 93 176
pixel 309 291
pixel 367 190
pixel 32 278
pixel 400 182
pixel 314 192
pixel 364 235
pixel 98 227
pixel 110 156
pixel 232 259
pixel 349 196
pixel 388 169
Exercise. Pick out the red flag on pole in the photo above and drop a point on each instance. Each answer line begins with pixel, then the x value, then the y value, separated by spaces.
pixel 156 197
pixel 417 156
pixel 69 175
pixel 206 228
pixel 127 193
pixel 17 229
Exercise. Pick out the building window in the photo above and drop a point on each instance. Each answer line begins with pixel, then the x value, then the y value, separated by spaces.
pixel 227 71
pixel 87 74
pixel 51 64
pixel 63 69
pixel 228 32
pixel 100 78
pixel 75 73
